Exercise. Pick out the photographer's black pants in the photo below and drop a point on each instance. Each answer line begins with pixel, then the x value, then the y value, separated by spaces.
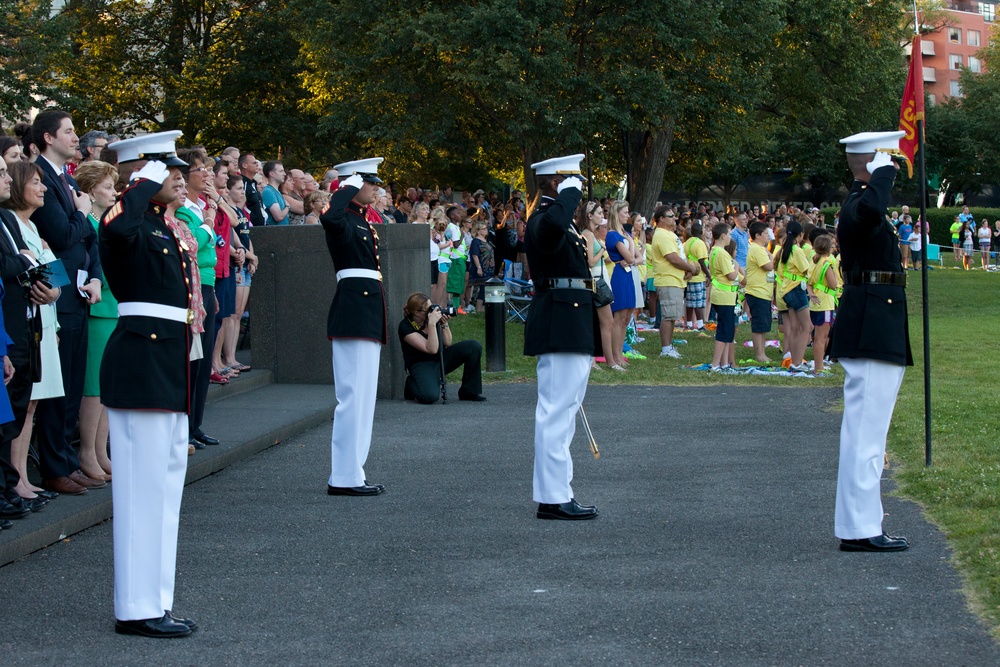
pixel 424 380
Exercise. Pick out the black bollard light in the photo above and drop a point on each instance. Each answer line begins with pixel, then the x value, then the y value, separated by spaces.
pixel 496 320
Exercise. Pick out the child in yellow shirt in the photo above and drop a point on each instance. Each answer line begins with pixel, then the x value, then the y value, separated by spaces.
pixel 725 276
pixel 822 288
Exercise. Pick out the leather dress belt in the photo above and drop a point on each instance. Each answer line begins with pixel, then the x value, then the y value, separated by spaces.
pixel 570 283
pixel 876 278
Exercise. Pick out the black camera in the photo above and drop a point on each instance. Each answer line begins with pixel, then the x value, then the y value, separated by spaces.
pixel 445 310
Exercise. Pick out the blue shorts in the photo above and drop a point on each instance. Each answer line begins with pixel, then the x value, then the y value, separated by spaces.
pixel 797 299
pixel 760 314
pixel 225 292
pixel 821 317
pixel 243 277
pixel 694 295
pixel 725 324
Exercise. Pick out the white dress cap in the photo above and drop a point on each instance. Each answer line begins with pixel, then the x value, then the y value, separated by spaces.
pixel 569 164
pixel 367 169
pixel 869 142
pixel 160 146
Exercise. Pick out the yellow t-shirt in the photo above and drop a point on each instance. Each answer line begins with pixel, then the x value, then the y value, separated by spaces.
pixel 665 274
pixel 758 284
pixel 695 249
pixel 641 268
pixel 721 265
pixel 826 300
pixel 795 272
pixel 778 278
pixel 809 250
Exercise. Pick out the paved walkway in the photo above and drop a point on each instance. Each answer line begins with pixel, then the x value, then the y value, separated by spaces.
pixel 714 546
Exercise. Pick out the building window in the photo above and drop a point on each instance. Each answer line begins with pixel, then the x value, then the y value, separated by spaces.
pixel 932 98
pixel 955 35
pixel 988 10
pixel 973 37
pixel 954 61
pixel 975 64
pixel 955 89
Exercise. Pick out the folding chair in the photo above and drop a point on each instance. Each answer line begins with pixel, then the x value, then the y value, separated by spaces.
pixel 518 292
pixel 933 254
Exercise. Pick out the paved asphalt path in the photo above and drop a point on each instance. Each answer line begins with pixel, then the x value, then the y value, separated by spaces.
pixel 714 546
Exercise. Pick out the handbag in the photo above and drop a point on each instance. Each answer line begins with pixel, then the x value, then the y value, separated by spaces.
pixel 603 295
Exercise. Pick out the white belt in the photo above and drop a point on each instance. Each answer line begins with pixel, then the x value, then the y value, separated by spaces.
pixel 359 273
pixel 158 310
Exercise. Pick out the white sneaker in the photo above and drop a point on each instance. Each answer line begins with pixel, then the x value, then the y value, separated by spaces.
pixel 671 352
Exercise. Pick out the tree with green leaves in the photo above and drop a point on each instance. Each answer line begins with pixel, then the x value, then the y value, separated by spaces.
pixel 31 42
pixel 223 71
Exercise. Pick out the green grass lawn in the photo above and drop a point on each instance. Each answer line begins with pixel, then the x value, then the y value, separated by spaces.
pixel 651 371
pixel 961 491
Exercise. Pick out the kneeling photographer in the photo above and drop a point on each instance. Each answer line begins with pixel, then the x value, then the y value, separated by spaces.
pixel 424 327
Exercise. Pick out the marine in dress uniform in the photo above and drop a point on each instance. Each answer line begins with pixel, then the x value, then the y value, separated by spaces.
pixel 871 340
pixel 560 331
pixel 144 384
pixel 356 325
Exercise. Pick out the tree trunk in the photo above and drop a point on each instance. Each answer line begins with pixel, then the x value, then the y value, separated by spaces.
pixel 648 152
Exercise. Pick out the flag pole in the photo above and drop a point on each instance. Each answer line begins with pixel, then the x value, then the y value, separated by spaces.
pixel 922 190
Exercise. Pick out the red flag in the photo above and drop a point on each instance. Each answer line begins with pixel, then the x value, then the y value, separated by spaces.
pixel 912 108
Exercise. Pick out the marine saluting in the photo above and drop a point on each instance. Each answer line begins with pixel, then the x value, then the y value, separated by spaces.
pixel 144 383
pixel 871 340
pixel 560 331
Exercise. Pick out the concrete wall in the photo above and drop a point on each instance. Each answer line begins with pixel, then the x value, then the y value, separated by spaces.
pixel 291 293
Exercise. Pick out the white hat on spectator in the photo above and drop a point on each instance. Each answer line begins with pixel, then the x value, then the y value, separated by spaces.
pixel 160 146
pixel 870 142
pixel 367 169
pixel 567 165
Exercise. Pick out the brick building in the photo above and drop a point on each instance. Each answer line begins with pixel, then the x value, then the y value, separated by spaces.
pixel 954 47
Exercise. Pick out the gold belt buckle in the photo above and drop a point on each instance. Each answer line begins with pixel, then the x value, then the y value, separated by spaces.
pixel 190 316
pixel 379 273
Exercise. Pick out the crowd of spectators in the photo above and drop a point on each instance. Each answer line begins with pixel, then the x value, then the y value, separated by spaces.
pixel 678 271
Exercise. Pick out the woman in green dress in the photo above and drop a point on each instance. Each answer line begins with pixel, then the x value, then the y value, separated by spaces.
pixel 97 179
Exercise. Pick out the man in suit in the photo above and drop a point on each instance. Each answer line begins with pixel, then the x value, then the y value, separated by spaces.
pixel 356 325
pixel 145 376
pixel 560 331
pixel 15 258
pixel 871 340
pixel 62 223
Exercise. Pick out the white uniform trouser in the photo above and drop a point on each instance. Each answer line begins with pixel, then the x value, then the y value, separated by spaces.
pixel 150 451
pixel 355 374
pixel 562 384
pixel 870 389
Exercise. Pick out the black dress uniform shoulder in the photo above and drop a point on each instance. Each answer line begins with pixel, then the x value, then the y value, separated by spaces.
pixel 559 320
pixel 145 365
pixel 358 306
pixel 871 319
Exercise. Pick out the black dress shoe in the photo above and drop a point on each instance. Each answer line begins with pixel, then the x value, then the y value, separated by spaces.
pixel 380 487
pixel 206 439
pixel 196 443
pixel 5 524
pixel 10 511
pixel 183 621
pixel 469 396
pixel 571 511
pixel 878 543
pixel 48 495
pixel 160 628
pixel 33 504
pixel 366 490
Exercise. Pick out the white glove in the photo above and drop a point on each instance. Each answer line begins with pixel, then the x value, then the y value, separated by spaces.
pixel 153 171
pixel 571 182
pixel 880 160
pixel 354 181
